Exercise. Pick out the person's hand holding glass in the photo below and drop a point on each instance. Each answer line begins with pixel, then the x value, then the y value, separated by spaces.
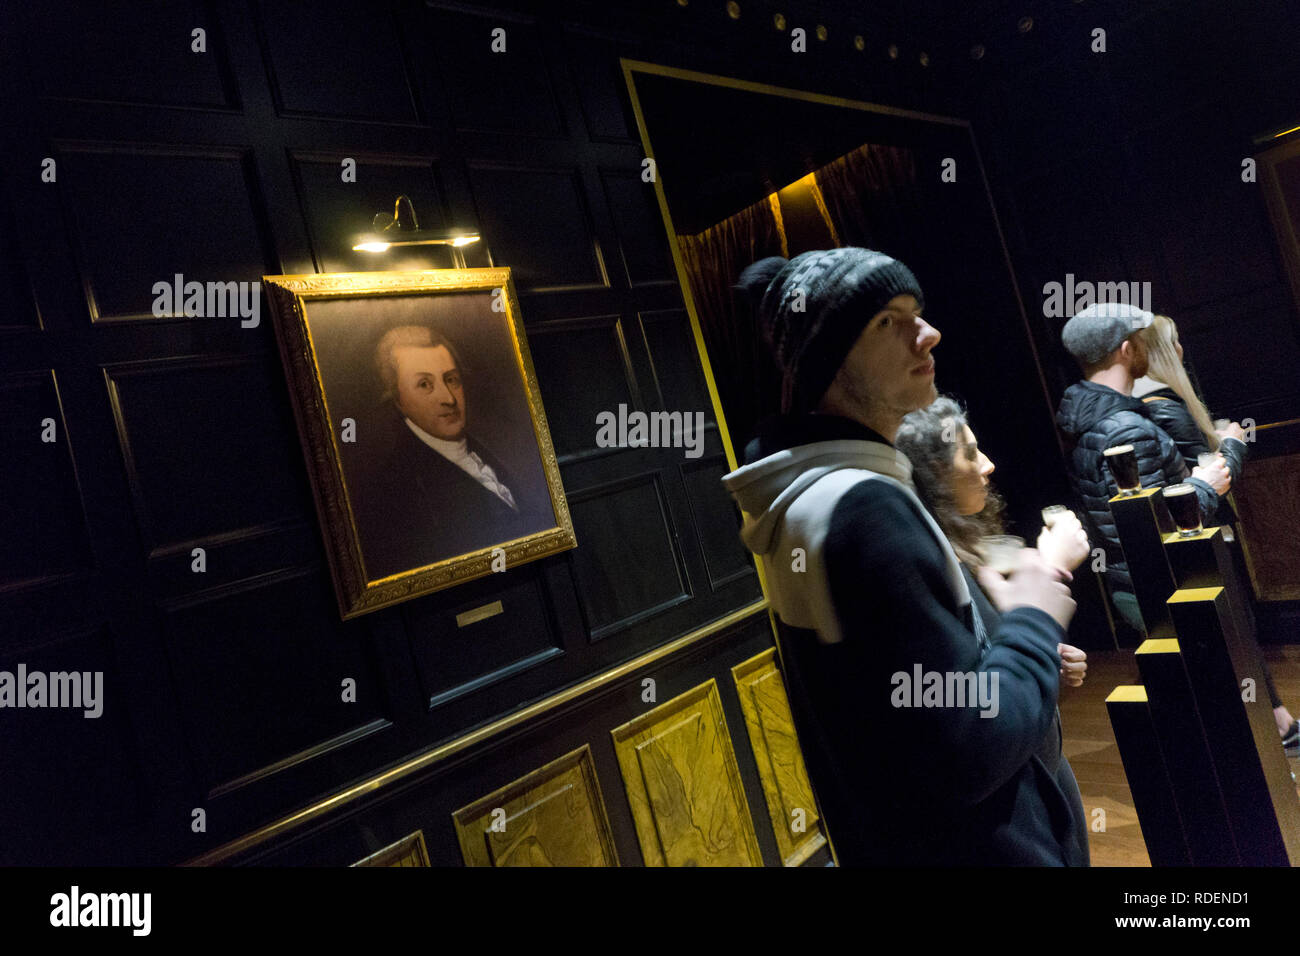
pixel 1229 429
pixel 1063 542
pixel 1214 472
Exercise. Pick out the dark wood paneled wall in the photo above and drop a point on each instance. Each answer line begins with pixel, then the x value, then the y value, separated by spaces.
pixel 223 687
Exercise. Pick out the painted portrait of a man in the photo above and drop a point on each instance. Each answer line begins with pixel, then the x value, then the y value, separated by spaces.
pixel 439 489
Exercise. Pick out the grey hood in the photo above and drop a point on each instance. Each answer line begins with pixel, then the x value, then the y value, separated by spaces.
pixel 788 499
pixel 766 489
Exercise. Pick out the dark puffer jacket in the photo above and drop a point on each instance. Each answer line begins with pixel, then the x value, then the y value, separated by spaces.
pixel 1170 412
pixel 1095 417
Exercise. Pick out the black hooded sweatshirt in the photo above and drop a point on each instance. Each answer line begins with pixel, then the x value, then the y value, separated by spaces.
pixel 871 597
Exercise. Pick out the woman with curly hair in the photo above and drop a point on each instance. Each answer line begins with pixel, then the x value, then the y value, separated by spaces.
pixel 951 478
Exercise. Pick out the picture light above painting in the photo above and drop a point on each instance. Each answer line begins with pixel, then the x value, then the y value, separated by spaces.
pixel 401 227
pixel 420 417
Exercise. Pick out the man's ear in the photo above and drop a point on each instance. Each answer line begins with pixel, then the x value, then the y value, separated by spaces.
pixel 1131 349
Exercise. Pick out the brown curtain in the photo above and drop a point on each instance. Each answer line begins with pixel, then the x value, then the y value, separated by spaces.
pixel 872 199
pixel 747 381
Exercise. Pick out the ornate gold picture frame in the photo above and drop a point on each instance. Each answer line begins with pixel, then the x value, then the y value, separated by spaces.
pixel 420 417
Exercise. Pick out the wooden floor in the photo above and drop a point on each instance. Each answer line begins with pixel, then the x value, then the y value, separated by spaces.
pixel 1093 755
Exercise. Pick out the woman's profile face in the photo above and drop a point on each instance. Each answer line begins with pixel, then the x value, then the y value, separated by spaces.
pixel 970 473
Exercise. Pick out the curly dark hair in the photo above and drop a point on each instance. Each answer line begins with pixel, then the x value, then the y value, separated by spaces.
pixel 930 437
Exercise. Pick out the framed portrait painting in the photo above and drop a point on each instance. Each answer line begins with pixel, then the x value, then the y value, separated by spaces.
pixel 425 437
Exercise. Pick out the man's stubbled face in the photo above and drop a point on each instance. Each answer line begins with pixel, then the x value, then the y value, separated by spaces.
pixel 889 369
pixel 429 390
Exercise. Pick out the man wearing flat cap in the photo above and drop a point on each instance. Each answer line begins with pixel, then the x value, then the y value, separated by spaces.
pixel 867 588
pixel 1101 412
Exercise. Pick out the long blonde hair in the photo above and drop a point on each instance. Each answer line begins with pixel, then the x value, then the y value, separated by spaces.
pixel 1161 341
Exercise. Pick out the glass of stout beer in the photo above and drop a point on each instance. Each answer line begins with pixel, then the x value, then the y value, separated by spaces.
pixel 1184 508
pixel 1123 463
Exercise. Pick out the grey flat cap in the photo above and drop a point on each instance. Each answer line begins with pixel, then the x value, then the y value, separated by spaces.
pixel 1095 332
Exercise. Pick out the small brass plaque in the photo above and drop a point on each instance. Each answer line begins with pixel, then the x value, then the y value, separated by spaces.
pixel 466 618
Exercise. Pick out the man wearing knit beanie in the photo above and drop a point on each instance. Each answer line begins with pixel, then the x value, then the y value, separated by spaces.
pixel 814 306
pixel 869 596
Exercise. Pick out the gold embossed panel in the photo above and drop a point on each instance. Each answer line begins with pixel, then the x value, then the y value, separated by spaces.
pixel 408 851
pixel 554 816
pixel 684 785
pixel 790 803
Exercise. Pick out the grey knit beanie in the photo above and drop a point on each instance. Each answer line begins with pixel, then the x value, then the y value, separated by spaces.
pixel 812 308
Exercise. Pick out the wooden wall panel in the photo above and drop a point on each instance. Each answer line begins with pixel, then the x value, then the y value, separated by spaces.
pixel 84 770
pixel 492 630
pixel 42 525
pixel 615 522
pixel 678 380
pixel 539 223
pixel 125 52
pixel 203 441
pixel 554 816
pixel 717 527
pixel 1056 90
pixel 1209 246
pixel 259 669
pixel 508 90
pixel 593 63
pixel 680 773
pixel 591 350
pixel 640 228
pixel 140 215
pixel 1268 504
pixel 17 310
pixel 1266 395
pixel 355 46
pixel 796 823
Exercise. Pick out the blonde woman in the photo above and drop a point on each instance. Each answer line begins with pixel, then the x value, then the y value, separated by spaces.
pixel 1176 408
